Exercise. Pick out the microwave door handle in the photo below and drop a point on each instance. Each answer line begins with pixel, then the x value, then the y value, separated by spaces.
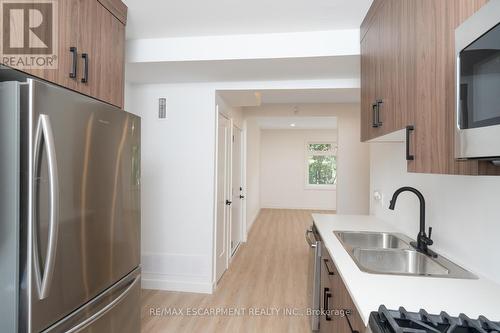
pixel 44 129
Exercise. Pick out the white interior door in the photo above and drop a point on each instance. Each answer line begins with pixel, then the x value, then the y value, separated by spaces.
pixel 237 191
pixel 223 196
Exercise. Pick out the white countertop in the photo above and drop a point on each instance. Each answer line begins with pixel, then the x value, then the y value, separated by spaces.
pixel 369 291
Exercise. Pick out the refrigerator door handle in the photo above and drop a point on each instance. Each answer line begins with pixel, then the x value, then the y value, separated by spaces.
pixel 44 130
pixel 105 309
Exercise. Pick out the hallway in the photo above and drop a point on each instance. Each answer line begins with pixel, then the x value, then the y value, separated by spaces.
pixel 266 280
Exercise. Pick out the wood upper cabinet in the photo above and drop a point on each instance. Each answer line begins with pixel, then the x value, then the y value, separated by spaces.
pixel 432 141
pixel 370 71
pixel 91 42
pixel 101 54
pixel 109 59
pixel 68 13
pixel 385 68
pixel 408 62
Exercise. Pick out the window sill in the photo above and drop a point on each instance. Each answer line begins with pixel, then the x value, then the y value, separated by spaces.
pixel 321 187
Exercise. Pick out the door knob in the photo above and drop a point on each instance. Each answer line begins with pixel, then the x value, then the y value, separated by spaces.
pixel 228 202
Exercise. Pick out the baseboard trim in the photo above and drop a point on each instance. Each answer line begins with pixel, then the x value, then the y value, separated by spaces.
pixel 297 208
pixel 170 283
pixel 255 217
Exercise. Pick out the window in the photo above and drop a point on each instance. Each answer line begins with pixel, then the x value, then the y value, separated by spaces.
pixel 321 164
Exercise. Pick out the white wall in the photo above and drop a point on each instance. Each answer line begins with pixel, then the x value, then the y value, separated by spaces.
pixel 463 210
pixel 353 157
pixel 178 176
pixel 177 185
pixel 252 188
pixel 235 114
pixel 283 170
pixel 353 163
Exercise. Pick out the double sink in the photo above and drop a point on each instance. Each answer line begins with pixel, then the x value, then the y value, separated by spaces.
pixel 391 253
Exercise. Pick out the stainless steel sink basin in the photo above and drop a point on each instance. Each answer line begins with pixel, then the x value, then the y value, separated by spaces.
pixel 366 240
pixel 398 262
pixel 391 253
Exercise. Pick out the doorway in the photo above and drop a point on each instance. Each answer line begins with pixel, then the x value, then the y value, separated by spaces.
pixel 223 195
pixel 237 190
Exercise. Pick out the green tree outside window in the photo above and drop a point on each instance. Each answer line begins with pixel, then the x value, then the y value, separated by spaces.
pixel 322 164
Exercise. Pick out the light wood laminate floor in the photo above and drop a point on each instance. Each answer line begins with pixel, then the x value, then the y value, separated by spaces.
pixel 266 282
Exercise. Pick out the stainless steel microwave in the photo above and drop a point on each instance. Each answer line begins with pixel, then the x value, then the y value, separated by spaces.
pixel 477 41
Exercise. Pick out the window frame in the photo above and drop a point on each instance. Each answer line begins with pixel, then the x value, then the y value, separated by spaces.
pixel 332 152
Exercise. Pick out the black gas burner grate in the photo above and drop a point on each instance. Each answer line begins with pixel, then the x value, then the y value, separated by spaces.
pixel 402 321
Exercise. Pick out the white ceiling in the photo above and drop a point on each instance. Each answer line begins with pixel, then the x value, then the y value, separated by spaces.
pixel 238 98
pixel 244 70
pixel 300 123
pixel 311 96
pixel 175 18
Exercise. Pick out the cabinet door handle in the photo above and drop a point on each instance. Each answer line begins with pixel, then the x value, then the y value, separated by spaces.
pixel 374 115
pixel 330 271
pixel 409 128
pixel 74 53
pixel 85 58
pixel 326 303
pixel 347 314
pixel 379 103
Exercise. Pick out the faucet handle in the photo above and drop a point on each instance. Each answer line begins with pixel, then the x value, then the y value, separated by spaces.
pixel 427 239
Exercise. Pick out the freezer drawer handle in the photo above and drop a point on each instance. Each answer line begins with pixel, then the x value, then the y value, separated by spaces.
pixel 105 309
pixel 44 130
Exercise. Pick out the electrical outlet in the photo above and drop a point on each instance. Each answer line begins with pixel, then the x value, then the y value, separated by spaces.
pixel 378 197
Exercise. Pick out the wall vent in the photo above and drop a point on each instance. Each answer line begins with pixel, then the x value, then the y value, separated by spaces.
pixel 162 108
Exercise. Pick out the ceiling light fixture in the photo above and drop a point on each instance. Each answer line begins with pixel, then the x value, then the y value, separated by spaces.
pixel 292 125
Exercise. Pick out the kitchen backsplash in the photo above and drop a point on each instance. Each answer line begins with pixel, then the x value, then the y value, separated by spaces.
pixel 464 211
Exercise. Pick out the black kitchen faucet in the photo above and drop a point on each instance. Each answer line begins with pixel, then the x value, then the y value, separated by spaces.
pixel 423 241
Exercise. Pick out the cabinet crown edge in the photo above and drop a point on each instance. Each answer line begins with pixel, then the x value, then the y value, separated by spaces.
pixel 117 8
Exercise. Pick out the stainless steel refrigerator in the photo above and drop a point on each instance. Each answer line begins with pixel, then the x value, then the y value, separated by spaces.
pixel 69 211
